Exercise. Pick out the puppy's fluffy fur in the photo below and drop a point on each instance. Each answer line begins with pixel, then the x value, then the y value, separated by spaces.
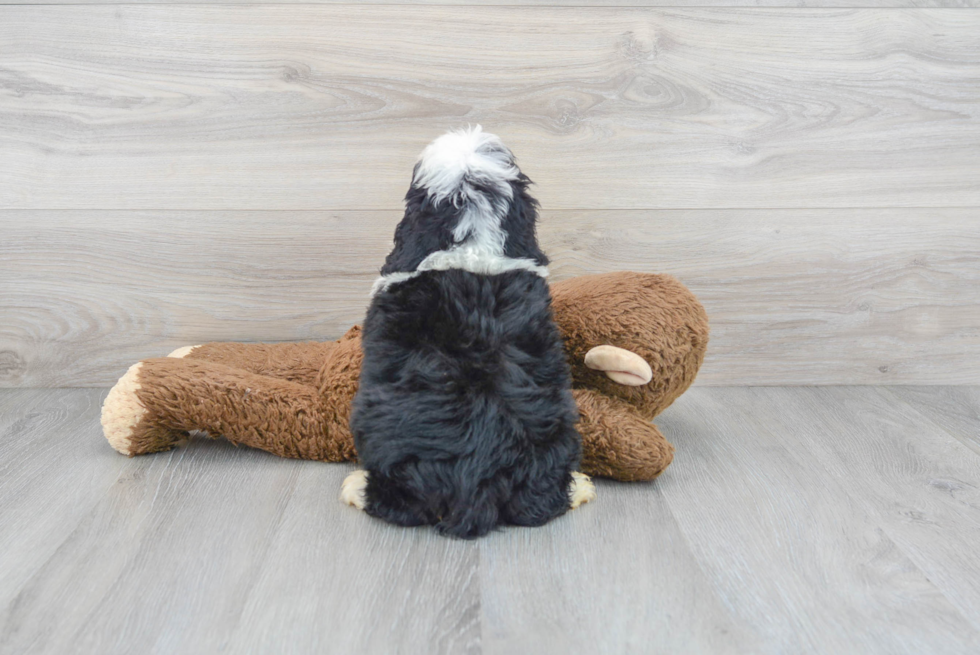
pixel 464 417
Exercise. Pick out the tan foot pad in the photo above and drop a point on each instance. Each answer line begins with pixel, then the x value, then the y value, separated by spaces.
pixel 122 411
pixel 183 351
pixel 352 490
pixel 620 365
pixel 581 491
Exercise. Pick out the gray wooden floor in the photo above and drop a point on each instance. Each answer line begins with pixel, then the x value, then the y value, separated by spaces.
pixel 793 520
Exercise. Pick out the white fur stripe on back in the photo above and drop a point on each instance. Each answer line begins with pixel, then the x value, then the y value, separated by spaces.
pixel 464 258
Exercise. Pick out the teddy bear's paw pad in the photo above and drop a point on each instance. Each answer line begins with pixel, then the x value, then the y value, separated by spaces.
pixel 581 491
pixel 619 365
pixel 183 351
pixel 352 490
pixel 122 411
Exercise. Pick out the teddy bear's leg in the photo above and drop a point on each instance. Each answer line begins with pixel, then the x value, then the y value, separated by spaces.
pixel 158 401
pixel 617 443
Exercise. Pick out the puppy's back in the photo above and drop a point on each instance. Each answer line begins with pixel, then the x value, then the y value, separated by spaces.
pixel 464 416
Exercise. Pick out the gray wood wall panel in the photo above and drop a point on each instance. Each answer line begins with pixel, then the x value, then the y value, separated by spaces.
pixel 662 140
pixel 795 296
pixel 326 106
pixel 557 3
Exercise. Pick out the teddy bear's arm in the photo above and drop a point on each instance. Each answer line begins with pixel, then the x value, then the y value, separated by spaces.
pixel 159 401
pixel 296 362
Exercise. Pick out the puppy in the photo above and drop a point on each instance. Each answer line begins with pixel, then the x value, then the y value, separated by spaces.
pixel 464 417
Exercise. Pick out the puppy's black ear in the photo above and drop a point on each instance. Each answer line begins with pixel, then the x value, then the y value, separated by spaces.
pixel 425 228
pixel 520 224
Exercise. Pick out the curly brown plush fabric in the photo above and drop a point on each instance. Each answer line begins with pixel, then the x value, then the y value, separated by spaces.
pixel 654 316
pixel 285 418
pixel 616 442
pixel 294 399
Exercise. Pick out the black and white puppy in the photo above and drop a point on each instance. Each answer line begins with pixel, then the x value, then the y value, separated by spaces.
pixel 464 417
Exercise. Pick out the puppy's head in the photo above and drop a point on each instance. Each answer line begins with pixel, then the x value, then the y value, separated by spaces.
pixel 467 194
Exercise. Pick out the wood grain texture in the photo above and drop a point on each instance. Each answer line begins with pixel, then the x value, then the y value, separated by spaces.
pixel 140 284
pixel 620 581
pixel 955 409
pixel 794 296
pixel 919 483
pixel 793 520
pixel 557 3
pixel 752 496
pixel 175 553
pixel 358 585
pixel 53 472
pixel 326 107
pixel 806 297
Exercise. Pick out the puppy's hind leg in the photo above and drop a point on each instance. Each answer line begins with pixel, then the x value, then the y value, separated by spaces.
pixel 540 498
pixel 377 496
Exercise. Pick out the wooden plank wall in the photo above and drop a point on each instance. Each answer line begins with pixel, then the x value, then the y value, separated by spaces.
pixel 172 174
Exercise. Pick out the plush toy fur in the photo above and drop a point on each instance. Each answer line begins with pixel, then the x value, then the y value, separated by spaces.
pixel 634 342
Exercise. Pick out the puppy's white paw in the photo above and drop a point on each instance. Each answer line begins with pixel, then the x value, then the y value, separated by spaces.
pixel 581 491
pixel 619 365
pixel 352 490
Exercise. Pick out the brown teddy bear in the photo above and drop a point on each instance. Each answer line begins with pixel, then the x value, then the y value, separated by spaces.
pixel 634 341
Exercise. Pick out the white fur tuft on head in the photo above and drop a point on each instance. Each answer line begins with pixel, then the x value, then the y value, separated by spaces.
pixel 472 169
pixel 449 165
